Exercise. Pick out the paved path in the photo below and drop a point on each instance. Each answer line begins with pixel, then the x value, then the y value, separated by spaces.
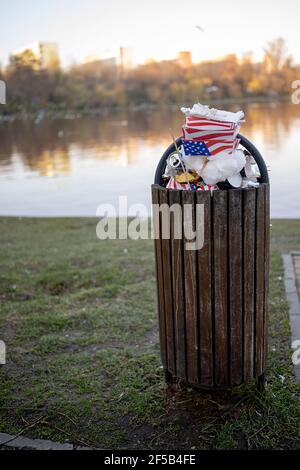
pixel 292 288
pixel 8 441
pixel 296 260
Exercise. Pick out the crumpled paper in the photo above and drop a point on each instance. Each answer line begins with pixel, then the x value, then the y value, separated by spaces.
pixel 205 111
pixel 251 169
pixel 218 168
pixel 224 167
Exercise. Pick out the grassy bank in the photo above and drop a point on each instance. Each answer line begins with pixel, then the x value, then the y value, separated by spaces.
pixel 79 320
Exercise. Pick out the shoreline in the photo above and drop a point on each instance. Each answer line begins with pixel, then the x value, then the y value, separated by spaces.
pixel 56 113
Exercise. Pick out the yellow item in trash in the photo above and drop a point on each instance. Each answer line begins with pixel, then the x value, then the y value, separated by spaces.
pixel 187 177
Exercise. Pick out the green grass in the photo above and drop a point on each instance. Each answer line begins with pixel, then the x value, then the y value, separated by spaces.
pixel 79 320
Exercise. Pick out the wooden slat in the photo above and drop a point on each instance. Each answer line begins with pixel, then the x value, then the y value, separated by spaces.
pixel 248 284
pixel 235 256
pixel 220 287
pixel 168 291
pixel 267 261
pixel 204 294
pixel 190 288
pixel 212 303
pixel 159 280
pixel 259 278
pixel 178 286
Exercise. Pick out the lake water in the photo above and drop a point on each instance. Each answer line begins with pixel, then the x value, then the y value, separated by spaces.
pixel 68 167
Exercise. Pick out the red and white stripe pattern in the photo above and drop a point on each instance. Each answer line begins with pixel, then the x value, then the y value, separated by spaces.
pixel 210 124
pixel 218 136
pixel 207 187
pixel 204 135
pixel 196 128
pixel 173 184
pixel 218 146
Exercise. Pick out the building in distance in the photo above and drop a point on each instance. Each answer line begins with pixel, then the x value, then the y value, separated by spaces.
pixel 184 58
pixel 118 59
pixel 38 55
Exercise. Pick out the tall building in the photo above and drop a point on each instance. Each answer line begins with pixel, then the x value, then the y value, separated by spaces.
pixel 38 55
pixel 126 58
pixel 184 58
pixel 121 58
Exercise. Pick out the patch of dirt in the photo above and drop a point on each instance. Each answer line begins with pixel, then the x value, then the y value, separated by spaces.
pixel 136 435
pixel 190 417
pixel 90 348
pixel 149 342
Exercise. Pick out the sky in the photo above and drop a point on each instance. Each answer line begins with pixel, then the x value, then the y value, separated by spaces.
pixel 153 28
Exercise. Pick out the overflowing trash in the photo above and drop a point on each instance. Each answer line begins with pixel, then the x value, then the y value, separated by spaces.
pixel 208 156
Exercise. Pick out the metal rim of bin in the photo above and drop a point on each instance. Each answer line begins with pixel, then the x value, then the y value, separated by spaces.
pixel 244 142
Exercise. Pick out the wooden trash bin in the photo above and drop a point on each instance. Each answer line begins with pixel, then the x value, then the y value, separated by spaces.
pixel 213 302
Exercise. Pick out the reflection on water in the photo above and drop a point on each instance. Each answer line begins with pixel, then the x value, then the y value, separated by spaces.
pixel 68 167
pixel 49 146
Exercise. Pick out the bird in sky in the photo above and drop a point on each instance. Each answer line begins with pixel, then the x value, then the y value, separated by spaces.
pixel 200 28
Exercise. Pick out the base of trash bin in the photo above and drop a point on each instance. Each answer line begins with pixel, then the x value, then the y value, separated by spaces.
pixel 170 381
pixel 212 302
pixel 262 381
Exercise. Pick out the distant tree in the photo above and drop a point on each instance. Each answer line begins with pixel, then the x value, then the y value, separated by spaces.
pixel 157 83
pixel 26 59
pixel 276 55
